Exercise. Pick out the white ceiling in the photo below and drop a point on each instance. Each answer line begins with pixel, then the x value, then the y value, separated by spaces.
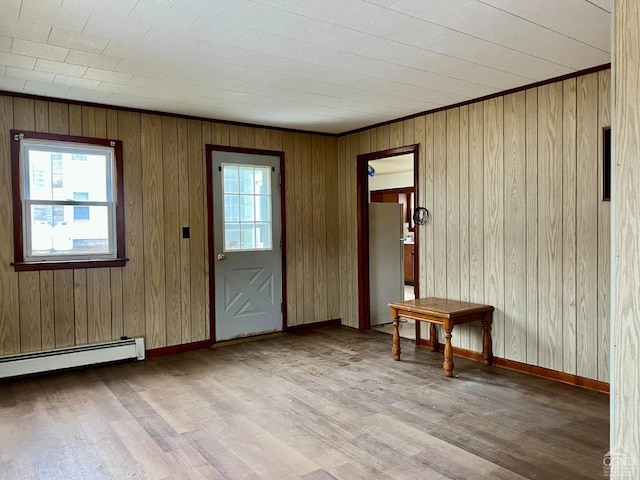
pixel 321 65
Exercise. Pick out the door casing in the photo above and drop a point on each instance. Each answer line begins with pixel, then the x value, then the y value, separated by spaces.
pixel 362 194
pixel 210 227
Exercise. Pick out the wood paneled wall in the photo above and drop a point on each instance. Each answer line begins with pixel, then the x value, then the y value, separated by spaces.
pixel 625 393
pixel 513 185
pixel 162 293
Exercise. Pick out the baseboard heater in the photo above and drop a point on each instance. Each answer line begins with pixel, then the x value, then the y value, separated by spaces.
pixel 71 357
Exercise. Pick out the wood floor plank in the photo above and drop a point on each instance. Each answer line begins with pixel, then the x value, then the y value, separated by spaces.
pixel 327 404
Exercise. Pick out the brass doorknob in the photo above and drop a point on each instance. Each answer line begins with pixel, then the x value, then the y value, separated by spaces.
pixel 221 256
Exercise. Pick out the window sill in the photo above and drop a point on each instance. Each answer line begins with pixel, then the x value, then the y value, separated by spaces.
pixel 69 264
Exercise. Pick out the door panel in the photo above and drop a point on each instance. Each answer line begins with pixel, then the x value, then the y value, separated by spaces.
pixel 386 266
pixel 246 240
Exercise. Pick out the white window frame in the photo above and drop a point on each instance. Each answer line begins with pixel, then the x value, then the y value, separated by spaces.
pixel 240 222
pixel 112 150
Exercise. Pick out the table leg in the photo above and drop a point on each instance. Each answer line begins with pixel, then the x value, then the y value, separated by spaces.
pixel 487 354
pixel 433 337
pixel 448 353
pixel 395 350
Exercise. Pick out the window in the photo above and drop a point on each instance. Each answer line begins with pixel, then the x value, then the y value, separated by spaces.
pixel 67 200
pixel 247 207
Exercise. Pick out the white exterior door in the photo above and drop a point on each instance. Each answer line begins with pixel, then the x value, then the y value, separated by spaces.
pixel 247 248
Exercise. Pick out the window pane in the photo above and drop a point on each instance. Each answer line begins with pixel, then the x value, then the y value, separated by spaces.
pixel 231 208
pixel 232 236
pixel 248 237
pixel 57 169
pixel 263 235
pixel 246 200
pixel 246 180
pixel 263 209
pixel 67 236
pixel 246 208
pixel 50 214
pixel 55 175
pixel 230 179
pixel 263 181
pixel 95 178
pixel 38 185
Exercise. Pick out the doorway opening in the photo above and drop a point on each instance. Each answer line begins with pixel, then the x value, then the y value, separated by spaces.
pixel 372 196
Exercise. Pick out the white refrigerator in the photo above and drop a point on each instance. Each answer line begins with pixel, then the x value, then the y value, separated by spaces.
pixel 386 267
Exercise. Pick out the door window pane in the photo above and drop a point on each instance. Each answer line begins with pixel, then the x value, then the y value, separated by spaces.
pixel 248 237
pixel 263 234
pixel 247 207
pixel 231 208
pixel 262 183
pixel 230 176
pixel 246 179
pixel 263 208
pixel 231 236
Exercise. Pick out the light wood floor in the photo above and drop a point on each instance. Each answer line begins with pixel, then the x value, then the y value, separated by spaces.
pixel 321 405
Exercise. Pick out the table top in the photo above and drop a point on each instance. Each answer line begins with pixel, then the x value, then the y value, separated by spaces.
pixel 441 306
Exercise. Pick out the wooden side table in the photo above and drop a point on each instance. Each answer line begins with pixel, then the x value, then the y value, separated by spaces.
pixel 448 314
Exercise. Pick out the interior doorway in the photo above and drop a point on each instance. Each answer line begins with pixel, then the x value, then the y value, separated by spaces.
pixel 391 182
pixel 389 164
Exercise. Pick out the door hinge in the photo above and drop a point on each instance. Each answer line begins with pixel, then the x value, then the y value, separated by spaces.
pixel 219 169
